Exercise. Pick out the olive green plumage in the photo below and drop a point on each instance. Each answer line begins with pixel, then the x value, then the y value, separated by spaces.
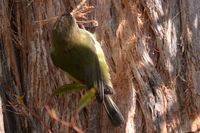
pixel 78 53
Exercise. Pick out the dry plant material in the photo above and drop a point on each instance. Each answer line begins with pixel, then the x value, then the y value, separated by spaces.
pixel 54 116
pixel 80 12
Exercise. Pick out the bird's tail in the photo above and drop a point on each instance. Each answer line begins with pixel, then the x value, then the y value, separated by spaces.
pixel 113 111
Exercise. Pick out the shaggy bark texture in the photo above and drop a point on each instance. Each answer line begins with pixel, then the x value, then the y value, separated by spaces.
pixel 152 48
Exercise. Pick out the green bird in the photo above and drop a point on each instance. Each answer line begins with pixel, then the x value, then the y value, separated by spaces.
pixel 80 55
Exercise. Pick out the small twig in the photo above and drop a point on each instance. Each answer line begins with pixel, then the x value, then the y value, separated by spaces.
pixel 70 125
pixel 30 2
pixel 89 21
pixel 46 20
pixel 21 109
pixel 176 15
pixel 79 6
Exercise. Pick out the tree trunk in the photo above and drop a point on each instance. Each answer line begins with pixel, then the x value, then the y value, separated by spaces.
pixel 152 48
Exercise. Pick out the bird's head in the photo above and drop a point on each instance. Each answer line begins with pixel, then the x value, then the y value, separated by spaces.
pixel 65 23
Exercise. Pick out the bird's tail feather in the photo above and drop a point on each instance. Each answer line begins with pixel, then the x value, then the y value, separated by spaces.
pixel 113 111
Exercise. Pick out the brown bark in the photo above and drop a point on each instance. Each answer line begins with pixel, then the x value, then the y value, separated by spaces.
pixel 152 48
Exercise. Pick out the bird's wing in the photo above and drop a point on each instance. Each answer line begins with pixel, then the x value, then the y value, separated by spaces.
pixel 93 74
pixel 100 71
pixel 104 69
